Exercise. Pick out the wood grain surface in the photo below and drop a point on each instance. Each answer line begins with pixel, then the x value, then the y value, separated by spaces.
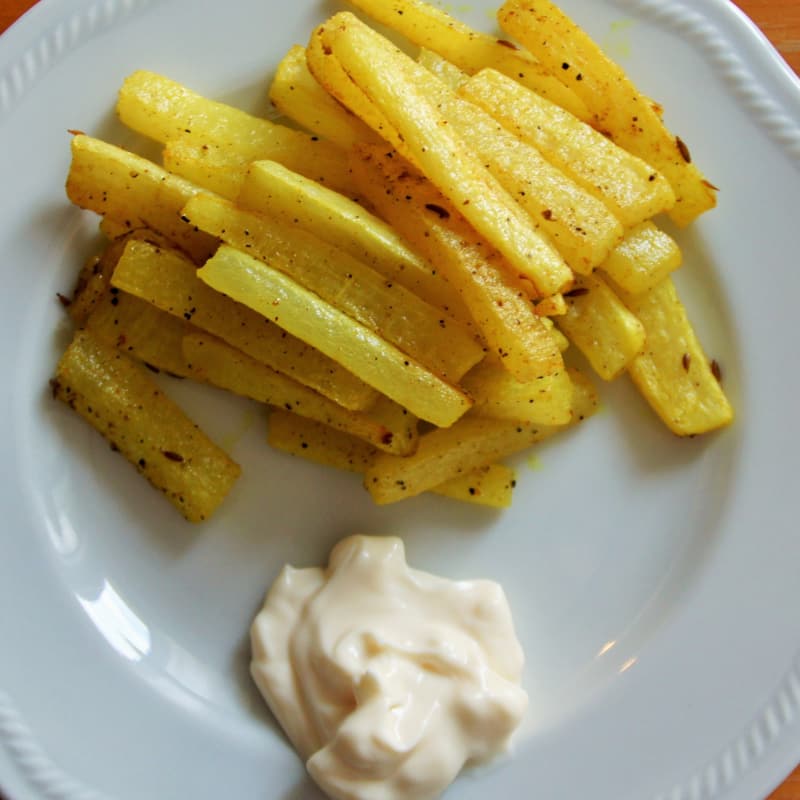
pixel 780 22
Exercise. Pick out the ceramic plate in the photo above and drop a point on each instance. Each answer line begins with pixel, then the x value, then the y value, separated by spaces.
pixel 653 580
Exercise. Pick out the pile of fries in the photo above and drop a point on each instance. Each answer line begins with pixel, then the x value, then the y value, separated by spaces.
pixel 397 278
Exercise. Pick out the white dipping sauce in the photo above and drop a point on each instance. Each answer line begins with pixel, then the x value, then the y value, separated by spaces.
pixel 387 680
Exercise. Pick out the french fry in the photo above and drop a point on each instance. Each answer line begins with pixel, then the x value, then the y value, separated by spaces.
pixel 444 70
pixel 93 282
pixel 306 316
pixel 386 425
pixel 632 189
pixel 121 401
pixel 425 333
pixel 618 107
pixel 165 111
pixel 674 374
pixel 314 441
pixel 471 443
pixel 644 258
pixel 396 86
pixel 499 304
pixel 170 282
pixel 468 49
pixel 488 486
pixel 553 306
pixel 141 331
pixel 277 192
pixel 561 341
pixel 492 486
pixel 135 192
pixel 112 229
pixel 219 170
pixel 328 72
pixel 546 400
pixel 578 225
pixel 599 324
pixel 297 94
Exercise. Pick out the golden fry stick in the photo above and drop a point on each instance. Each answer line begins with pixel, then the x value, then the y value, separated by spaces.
pixel 397 86
pixel 397 315
pixel 121 401
pixel 170 282
pixel 314 441
pixel 632 189
pixel 328 72
pixel 135 192
pixel 470 50
pixel 275 191
pixel 142 331
pixel 444 70
pixel 599 324
pixel 309 318
pixel 488 486
pixel 219 170
pixel 297 94
pixel 471 443
pixel 498 303
pixel 546 400
pixel 492 486
pixel 165 111
pixel 632 120
pixel 578 225
pixel 386 425
pixel 642 259
pixel 674 374
pixel 93 282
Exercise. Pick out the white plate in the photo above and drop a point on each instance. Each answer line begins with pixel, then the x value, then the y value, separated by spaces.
pixel 653 580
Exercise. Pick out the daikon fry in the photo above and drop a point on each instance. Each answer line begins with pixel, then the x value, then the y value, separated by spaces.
pixel 142 331
pixel 498 303
pixel 93 282
pixel 632 189
pixel 166 111
pixel 492 486
pixel 297 95
pixel 553 306
pixel 386 425
pixel 133 191
pixel 642 259
pixel 170 282
pixel 328 72
pixel 578 225
pixel 219 170
pixel 472 443
pixel 121 401
pixel 317 442
pixel 305 315
pixel 560 340
pixel 600 325
pixel 618 107
pixel 112 229
pixel 397 315
pixel 277 192
pixel 396 86
pixel 470 50
pixel 673 373
pixel 312 441
pixel 546 400
pixel 446 71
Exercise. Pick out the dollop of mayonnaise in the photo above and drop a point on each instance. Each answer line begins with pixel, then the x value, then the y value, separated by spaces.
pixel 387 680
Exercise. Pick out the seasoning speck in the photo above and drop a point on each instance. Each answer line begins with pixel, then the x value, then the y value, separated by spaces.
pixel 442 213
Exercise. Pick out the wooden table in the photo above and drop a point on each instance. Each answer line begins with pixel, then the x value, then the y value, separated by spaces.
pixel 780 21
